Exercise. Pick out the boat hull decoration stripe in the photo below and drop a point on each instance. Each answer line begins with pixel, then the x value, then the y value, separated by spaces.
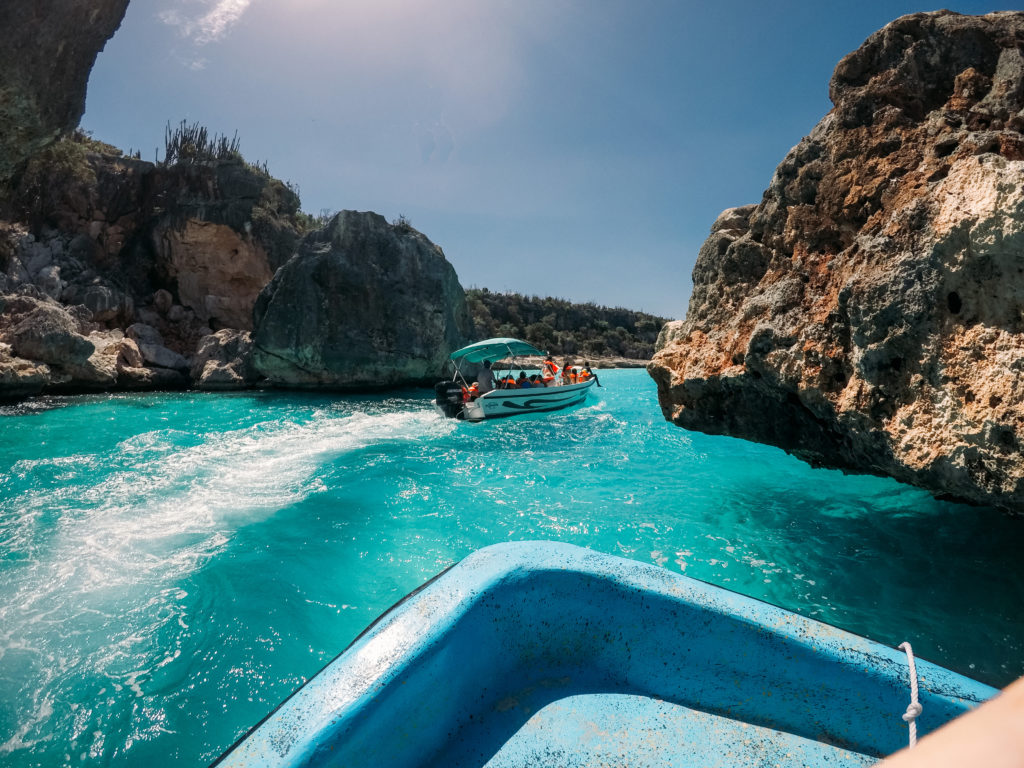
pixel 502 402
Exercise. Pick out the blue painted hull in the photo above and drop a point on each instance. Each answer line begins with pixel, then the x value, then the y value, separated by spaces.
pixel 538 653
pixel 516 402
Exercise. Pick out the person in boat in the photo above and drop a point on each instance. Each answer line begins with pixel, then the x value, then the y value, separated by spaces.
pixel 473 392
pixel 548 371
pixel 509 382
pixel 485 379
pixel 535 381
pixel 568 373
pixel 522 382
pixel 589 373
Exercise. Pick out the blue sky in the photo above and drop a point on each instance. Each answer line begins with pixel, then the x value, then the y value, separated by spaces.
pixel 551 147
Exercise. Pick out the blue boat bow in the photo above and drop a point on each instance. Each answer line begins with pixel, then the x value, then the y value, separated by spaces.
pixel 539 653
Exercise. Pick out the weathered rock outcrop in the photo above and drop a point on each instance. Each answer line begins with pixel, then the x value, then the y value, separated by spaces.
pixel 116 273
pixel 224 361
pixel 868 314
pixel 47 49
pixel 362 304
pixel 47 347
pixel 211 234
pixel 184 249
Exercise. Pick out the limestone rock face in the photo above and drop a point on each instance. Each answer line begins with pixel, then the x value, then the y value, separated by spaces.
pixel 219 271
pixel 47 49
pixel 184 249
pixel 362 304
pixel 868 314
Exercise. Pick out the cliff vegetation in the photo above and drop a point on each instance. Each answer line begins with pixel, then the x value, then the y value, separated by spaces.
pixel 564 328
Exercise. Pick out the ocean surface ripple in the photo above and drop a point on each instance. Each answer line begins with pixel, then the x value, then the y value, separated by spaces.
pixel 174 565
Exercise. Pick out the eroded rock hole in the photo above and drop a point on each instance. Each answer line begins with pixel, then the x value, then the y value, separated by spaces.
pixel 945 148
pixel 954 302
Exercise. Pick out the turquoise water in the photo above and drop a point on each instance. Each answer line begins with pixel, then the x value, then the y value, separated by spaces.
pixel 173 565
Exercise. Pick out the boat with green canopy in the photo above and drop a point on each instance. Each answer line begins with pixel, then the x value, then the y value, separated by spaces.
pixel 456 398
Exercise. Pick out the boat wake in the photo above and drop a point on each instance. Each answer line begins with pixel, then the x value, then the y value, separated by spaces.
pixel 103 542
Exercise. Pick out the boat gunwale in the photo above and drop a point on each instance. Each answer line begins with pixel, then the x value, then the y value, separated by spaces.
pixel 500 564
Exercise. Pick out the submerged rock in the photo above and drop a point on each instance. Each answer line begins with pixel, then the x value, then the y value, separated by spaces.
pixel 868 314
pixel 362 304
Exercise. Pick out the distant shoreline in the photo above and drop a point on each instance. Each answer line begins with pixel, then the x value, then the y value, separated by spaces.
pixel 601 363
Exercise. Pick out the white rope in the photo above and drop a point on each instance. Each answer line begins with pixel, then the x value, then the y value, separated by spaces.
pixel 915 708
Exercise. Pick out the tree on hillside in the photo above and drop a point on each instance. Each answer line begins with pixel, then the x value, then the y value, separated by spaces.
pixel 564 328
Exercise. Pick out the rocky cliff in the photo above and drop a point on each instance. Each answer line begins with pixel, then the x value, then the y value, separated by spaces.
pixel 868 314
pixel 47 49
pixel 117 273
pixel 174 252
pixel 363 304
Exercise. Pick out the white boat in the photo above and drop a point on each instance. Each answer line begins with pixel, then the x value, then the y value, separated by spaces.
pixel 451 395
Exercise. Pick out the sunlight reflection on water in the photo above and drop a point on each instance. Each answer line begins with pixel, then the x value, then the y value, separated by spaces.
pixel 174 565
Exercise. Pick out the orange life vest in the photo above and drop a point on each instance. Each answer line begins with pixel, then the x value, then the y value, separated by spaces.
pixel 549 370
pixel 582 376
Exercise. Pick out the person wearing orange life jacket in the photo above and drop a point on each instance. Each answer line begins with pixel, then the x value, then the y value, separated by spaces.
pixel 568 374
pixel 590 373
pixel 474 391
pixel 582 376
pixel 548 371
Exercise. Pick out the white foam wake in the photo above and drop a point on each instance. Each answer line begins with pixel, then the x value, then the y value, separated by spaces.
pixel 105 540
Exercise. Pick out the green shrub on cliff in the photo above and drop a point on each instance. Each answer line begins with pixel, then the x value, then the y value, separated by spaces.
pixel 92 144
pixel 564 328
pixel 308 222
pixel 52 173
pixel 192 143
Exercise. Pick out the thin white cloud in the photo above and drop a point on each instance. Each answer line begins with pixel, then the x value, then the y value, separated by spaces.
pixel 210 25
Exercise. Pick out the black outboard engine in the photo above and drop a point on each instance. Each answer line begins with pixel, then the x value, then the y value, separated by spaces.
pixel 448 396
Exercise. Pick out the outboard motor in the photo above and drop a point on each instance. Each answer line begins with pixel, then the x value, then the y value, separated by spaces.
pixel 448 397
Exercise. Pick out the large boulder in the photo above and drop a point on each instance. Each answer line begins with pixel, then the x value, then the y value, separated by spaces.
pixel 868 314
pixel 362 304
pixel 47 49
pixel 49 334
pixel 19 377
pixel 223 360
pixel 151 346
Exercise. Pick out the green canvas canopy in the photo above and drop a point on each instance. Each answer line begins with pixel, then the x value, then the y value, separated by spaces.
pixel 495 349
